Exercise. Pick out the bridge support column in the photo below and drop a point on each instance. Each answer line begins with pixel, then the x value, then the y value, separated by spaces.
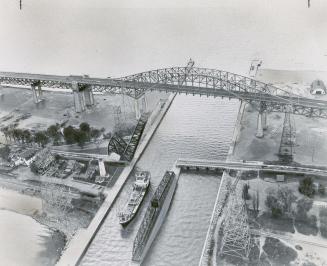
pixel 144 104
pixel 264 120
pixel 137 109
pixel 140 106
pixel 79 98
pixel 259 133
pixel 37 92
pixel 102 168
pixel 88 95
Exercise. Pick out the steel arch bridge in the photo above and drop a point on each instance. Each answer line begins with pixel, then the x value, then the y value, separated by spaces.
pixel 188 80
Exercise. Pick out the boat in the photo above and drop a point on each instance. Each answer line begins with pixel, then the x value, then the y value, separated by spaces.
pixel 140 187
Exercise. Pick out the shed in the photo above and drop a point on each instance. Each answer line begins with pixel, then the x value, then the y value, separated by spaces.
pixel 318 87
pixel 280 178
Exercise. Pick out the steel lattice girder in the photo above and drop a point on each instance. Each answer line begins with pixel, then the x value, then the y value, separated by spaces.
pixel 189 80
pixel 127 150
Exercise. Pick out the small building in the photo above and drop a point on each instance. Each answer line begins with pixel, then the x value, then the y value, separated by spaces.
pixel 318 87
pixel 43 160
pixel 280 178
pixel 27 156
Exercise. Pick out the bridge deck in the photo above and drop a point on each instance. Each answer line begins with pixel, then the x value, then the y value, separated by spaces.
pixel 191 164
pixel 199 81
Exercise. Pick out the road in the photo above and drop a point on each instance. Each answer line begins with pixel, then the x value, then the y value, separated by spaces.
pixel 87 156
pixel 256 166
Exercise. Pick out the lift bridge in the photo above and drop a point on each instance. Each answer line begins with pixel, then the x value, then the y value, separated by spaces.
pixel 127 150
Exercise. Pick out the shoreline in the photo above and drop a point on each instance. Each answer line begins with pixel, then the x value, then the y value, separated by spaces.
pixel 53 240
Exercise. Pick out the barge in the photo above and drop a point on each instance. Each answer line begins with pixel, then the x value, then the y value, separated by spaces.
pixel 154 216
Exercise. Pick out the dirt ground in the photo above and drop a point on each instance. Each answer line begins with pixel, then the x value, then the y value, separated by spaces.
pixel 58 107
pixel 310 146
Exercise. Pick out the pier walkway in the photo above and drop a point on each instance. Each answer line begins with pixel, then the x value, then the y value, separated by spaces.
pixel 193 164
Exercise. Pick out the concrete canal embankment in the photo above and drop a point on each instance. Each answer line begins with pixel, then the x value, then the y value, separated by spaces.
pixel 210 246
pixel 76 249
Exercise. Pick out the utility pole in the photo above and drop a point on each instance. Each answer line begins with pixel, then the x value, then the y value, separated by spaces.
pixel 20 4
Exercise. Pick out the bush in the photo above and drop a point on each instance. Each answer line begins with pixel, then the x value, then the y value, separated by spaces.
pixel 276 212
pixel 303 206
pixel 323 221
pixel 4 152
pixel 41 138
pixel 321 189
pixel 280 201
pixel 245 193
pixel 306 187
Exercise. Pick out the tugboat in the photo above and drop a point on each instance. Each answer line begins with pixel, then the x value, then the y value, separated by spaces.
pixel 140 187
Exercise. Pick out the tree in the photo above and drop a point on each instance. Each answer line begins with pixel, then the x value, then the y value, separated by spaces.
pixel 306 187
pixel 27 136
pixel 85 127
pixel 4 152
pixel 41 138
pixel 53 132
pixel 33 168
pixel 69 134
pixel 95 133
pixel 81 137
pixel 274 204
pixel 287 196
pixel 245 192
pixel 321 189
pixel 280 201
pixel 17 134
pixel 303 206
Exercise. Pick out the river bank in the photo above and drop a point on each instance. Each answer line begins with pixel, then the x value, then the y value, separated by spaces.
pixel 25 241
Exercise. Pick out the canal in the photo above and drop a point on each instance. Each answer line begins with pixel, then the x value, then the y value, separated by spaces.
pixel 194 127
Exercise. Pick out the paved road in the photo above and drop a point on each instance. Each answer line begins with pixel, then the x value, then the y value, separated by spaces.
pixel 288 237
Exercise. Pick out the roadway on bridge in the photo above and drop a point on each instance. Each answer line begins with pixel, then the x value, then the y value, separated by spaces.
pixel 247 166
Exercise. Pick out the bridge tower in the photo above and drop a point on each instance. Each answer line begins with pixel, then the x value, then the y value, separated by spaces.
pixel 236 238
pixel 37 91
pixel 288 139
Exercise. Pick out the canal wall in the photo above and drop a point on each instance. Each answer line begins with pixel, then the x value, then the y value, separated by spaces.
pixel 210 248
pixel 78 246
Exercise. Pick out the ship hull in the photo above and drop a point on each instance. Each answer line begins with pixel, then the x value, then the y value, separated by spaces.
pixel 126 222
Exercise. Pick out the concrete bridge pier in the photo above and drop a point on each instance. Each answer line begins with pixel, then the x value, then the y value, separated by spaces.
pixel 264 120
pixel 260 121
pixel 88 95
pixel 102 168
pixel 140 106
pixel 79 98
pixel 37 92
